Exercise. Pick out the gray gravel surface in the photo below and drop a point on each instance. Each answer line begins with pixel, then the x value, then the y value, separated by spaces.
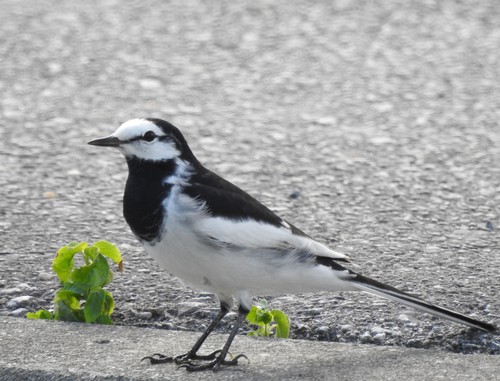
pixel 373 126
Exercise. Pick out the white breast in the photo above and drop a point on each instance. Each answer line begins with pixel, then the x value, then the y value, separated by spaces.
pixel 179 251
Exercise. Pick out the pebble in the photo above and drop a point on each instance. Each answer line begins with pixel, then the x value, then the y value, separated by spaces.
pixel 378 330
pixel 470 346
pixel 403 317
pixel 20 301
pixel 45 276
pixel 353 335
pixel 415 343
pixel 345 328
pixel 102 341
pixel 303 327
pixel 10 291
pixel 379 338
pixel 366 337
pixel 167 325
pixel 149 83
pixel 73 172
pixel 24 286
pixel 20 312
pixel 188 308
pixel 143 315
pixel 326 120
pixel 395 333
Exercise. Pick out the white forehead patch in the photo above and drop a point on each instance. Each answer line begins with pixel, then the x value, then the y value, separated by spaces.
pixel 156 150
pixel 134 128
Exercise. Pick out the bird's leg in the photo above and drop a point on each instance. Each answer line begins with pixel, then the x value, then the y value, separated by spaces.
pixel 158 358
pixel 221 358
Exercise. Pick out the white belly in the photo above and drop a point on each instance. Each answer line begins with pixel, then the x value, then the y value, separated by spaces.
pixel 239 274
pixel 232 271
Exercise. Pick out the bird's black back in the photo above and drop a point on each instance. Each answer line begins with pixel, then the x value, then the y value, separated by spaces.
pixel 224 199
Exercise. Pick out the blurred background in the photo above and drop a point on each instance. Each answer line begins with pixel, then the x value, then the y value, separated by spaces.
pixel 371 125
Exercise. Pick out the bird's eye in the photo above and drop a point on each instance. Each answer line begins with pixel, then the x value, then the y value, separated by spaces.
pixel 149 136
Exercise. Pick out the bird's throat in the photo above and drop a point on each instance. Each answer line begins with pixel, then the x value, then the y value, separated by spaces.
pixel 145 194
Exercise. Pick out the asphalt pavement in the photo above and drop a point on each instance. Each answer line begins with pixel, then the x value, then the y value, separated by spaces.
pixel 373 126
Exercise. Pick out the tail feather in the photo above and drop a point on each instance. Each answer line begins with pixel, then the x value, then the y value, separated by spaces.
pixel 377 288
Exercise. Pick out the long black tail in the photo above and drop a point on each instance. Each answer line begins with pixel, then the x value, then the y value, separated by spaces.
pixel 372 286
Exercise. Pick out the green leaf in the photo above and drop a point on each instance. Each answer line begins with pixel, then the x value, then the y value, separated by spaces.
pixel 67 306
pixel 77 290
pixel 282 324
pixel 94 305
pixel 252 315
pixel 109 304
pixel 109 250
pixel 90 253
pixel 66 313
pixel 104 319
pixel 76 247
pixel 63 262
pixel 92 276
pixel 266 317
pixel 259 316
pixel 40 314
pixel 69 298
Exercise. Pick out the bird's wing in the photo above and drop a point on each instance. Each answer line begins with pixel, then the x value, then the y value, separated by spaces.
pixel 233 217
pixel 252 234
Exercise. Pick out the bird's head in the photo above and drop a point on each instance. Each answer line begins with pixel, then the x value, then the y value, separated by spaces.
pixel 152 140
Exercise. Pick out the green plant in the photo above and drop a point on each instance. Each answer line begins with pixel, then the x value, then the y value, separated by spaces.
pixel 268 321
pixel 81 296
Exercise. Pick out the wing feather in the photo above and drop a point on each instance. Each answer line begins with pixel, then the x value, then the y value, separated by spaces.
pixel 252 234
pixel 234 218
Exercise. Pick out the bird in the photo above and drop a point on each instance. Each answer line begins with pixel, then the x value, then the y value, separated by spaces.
pixel 217 238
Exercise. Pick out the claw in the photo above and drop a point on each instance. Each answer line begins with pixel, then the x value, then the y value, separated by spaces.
pixel 186 364
pixel 241 356
pixel 158 358
pixel 214 365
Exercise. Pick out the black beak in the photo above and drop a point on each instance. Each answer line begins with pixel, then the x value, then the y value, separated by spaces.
pixel 109 141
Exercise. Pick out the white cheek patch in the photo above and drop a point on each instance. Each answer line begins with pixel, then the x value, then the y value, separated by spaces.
pixel 154 151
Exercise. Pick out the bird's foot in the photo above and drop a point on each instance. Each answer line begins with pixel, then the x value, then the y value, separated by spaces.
pixel 158 358
pixel 213 365
pixel 181 359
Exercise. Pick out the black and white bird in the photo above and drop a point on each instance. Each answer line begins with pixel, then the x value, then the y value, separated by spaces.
pixel 216 237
